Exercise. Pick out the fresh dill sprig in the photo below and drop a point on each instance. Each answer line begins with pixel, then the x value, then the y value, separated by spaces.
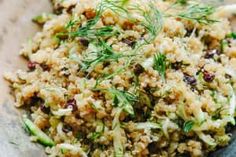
pixel 123 99
pixel 101 57
pixel 87 29
pixel 198 13
pixel 119 70
pixel 117 6
pixel 109 76
pixel 160 64
pixel 92 33
pixel 153 20
pixel 75 20
pixel 104 53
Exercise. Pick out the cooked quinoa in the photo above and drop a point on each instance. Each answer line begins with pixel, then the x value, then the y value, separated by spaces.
pixel 129 78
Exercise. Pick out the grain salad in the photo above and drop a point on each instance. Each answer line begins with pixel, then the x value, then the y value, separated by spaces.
pixel 129 78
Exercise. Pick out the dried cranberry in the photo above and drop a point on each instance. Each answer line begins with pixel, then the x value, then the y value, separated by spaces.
pixel 147 89
pixel 36 100
pixel 208 77
pixel 69 9
pixel 211 53
pixel 190 79
pixel 138 69
pixel 45 67
pixel 66 128
pixel 153 147
pixel 176 65
pixel 32 65
pixel 44 109
pixel 106 64
pixel 72 104
pixel 188 33
pixel 129 42
pixel 84 42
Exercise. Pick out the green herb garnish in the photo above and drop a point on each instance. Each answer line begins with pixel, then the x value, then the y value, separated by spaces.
pixel 152 20
pixel 188 126
pixel 92 33
pixel 73 22
pixel 232 35
pixel 117 6
pixel 95 135
pixel 160 64
pixel 103 53
pixel 198 13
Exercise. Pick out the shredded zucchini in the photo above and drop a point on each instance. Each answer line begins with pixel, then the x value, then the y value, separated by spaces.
pixel 39 134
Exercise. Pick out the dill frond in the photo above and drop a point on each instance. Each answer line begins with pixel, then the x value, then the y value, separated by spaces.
pixel 104 53
pixel 119 70
pixel 90 31
pixel 73 22
pixel 101 57
pixel 152 20
pixel 198 13
pixel 93 33
pixel 160 64
pixel 117 6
